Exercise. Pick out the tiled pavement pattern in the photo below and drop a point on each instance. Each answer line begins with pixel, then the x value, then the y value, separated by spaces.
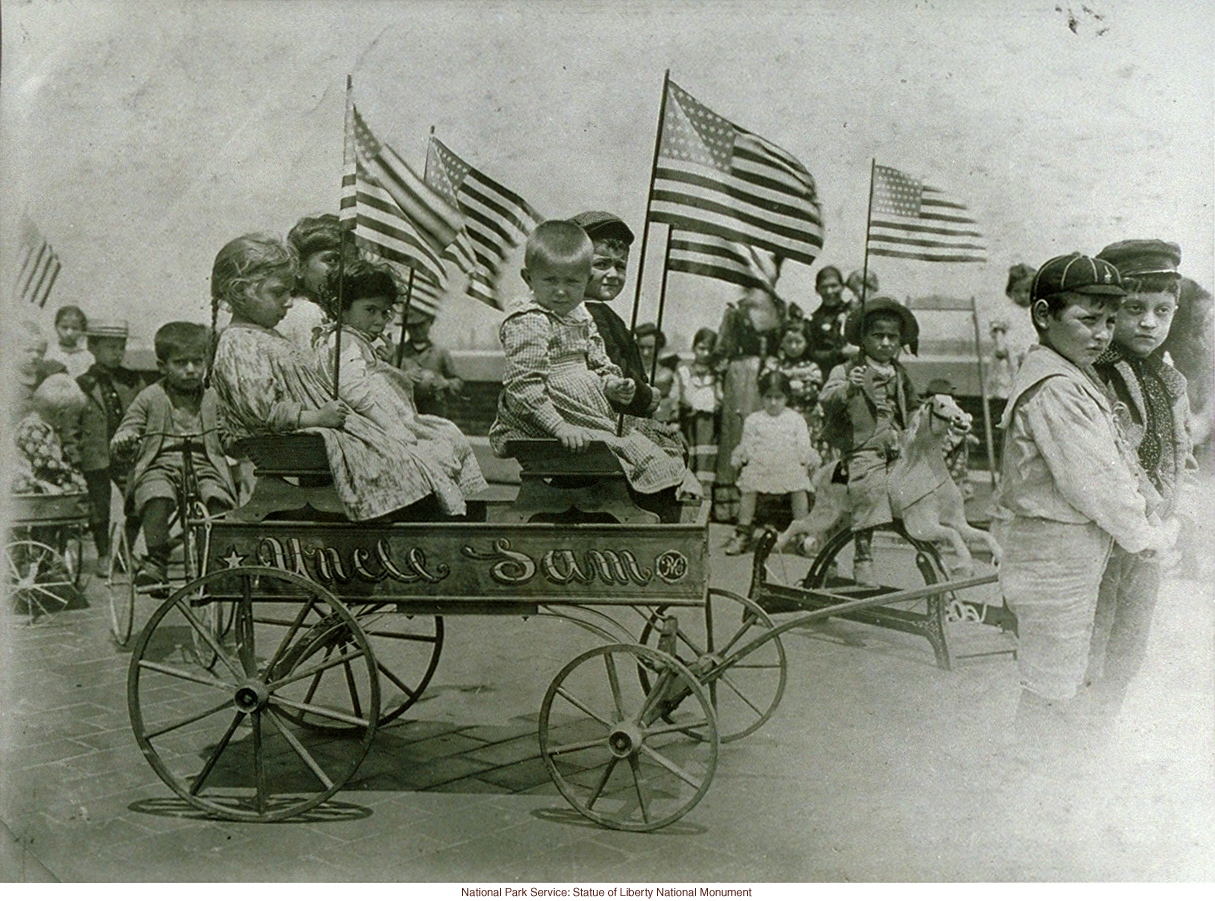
pixel 877 766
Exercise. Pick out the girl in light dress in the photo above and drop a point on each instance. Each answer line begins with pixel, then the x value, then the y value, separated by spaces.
pixel 773 457
pixel 698 394
pixel 266 384
pixel 382 392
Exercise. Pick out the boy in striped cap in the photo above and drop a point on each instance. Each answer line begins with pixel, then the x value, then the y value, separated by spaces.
pixel 1068 492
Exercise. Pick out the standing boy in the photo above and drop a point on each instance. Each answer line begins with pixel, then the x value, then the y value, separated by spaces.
pixel 110 387
pixel 1157 425
pixel 866 403
pixel 1067 493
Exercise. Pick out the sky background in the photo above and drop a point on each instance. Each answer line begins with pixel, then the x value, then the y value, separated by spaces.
pixel 141 136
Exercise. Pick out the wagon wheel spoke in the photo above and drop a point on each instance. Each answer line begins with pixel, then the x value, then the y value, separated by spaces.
pixel 354 689
pixel 201 631
pixel 277 656
pixel 259 761
pixel 669 764
pixel 667 729
pixel 244 628
pixel 308 759
pixel 315 669
pixel 614 681
pixel 579 746
pixel 190 719
pixel 637 780
pixel 197 783
pixel 737 691
pixel 182 674
pixel 603 780
pixel 581 706
pixel 392 677
pixel 328 712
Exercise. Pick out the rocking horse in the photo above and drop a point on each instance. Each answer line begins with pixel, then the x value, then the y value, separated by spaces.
pixel 922 493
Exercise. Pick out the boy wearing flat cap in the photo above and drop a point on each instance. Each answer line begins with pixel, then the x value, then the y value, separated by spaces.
pixel 866 402
pixel 1156 423
pixel 612 240
pixel 1068 492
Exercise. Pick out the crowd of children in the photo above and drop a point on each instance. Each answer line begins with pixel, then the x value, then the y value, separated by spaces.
pixel 1097 430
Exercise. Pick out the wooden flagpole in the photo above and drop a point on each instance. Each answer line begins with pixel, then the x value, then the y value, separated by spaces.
pixel 987 430
pixel 662 301
pixel 645 230
pixel 868 221
pixel 337 313
pixel 409 285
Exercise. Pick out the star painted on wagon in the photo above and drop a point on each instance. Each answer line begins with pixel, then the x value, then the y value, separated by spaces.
pixel 233 560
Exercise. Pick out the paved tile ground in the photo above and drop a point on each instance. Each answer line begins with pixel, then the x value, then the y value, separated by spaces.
pixel 876 766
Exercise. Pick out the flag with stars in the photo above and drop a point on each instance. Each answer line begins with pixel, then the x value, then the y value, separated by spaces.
pixel 914 221
pixel 716 178
pixel 395 214
pixel 496 220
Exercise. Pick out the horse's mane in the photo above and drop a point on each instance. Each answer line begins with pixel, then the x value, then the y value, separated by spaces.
pixel 917 438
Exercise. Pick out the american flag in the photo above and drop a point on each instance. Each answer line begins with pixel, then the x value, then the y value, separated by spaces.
pixel 914 221
pixel 396 215
pixel 496 220
pixel 716 257
pixel 716 178
pixel 37 265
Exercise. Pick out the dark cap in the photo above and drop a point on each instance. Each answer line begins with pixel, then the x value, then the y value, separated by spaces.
pixel 599 224
pixel 887 306
pixel 1076 272
pixel 1145 257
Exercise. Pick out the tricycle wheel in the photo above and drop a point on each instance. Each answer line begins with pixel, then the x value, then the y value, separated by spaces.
pixel 222 728
pixel 120 584
pixel 621 755
pixel 745 693
pixel 39 580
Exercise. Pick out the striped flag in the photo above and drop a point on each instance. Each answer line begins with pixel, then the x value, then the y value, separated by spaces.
pixel 716 178
pixel 37 264
pixel 716 257
pixel 396 215
pixel 496 220
pixel 914 221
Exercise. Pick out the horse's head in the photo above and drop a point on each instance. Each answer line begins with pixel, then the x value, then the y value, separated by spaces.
pixel 936 417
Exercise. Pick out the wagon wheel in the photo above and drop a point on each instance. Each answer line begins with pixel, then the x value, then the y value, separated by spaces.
pixel 218 728
pixel 899 562
pixel 745 694
pixel 38 579
pixel 621 755
pixel 406 650
pixel 120 584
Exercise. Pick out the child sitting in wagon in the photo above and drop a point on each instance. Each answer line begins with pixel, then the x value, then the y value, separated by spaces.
pixel 267 385
pixel 155 426
pixel 383 393
pixel 559 382
pixel 866 403
pixel 47 461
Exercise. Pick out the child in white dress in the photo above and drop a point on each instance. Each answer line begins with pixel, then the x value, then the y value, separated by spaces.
pixel 774 457
pixel 384 393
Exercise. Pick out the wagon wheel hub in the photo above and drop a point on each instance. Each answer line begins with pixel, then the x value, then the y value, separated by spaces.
pixel 625 739
pixel 251 696
pixel 706 663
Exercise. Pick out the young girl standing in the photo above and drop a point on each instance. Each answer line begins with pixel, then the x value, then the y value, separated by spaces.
pixel 70 350
pixel 267 384
pixel 698 393
pixel 385 394
pixel 559 382
pixel 773 457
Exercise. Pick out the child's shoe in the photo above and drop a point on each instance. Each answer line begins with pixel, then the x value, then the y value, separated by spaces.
pixel 152 579
pixel 862 572
pixel 740 542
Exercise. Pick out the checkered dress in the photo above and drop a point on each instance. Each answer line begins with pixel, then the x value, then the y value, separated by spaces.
pixel 556 368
